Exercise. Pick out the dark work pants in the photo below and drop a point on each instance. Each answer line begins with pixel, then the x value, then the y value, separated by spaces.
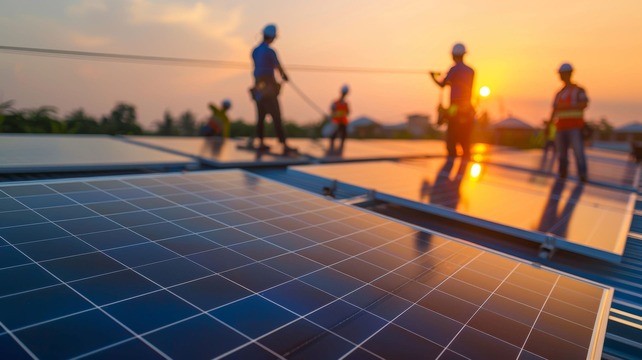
pixel 269 105
pixel 571 138
pixel 459 132
pixel 342 129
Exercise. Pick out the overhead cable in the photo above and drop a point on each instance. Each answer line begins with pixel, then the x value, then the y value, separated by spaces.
pixel 173 61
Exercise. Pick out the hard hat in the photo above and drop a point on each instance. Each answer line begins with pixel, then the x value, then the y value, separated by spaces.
pixel 227 104
pixel 459 49
pixel 269 30
pixel 566 67
pixel 345 89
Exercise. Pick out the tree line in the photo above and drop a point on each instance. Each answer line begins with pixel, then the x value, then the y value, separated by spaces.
pixel 122 120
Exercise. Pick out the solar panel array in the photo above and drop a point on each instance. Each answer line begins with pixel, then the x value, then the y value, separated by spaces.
pixel 605 167
pixel 55 153
pixel 579 217
pixel 228 264
pixel 217 151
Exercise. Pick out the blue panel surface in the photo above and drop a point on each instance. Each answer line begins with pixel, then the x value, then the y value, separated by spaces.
pixel 144 273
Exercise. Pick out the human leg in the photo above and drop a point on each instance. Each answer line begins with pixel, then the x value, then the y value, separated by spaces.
pixel 562 143
pixel 451 139
pixel 465 133
pixel 260 122
pixel 343 130
pixel 577 144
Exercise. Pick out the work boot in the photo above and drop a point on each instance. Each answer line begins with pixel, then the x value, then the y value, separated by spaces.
pixel 289 150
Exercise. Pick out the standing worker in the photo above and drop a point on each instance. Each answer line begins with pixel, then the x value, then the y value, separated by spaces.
pixel 340 112
pixel 568 114
pixel 266 89
pixel 219 119
pixel 460 113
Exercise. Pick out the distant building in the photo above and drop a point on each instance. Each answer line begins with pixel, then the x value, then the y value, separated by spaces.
pixel 514 132
pixel 418 124
pixel 364 127
pixel 629 132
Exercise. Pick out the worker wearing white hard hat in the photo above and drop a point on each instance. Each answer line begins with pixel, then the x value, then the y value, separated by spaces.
pixel 568 116
pixel 460 112
pixel 340 111
pixel 565 67
pixel 459 49
pixel 266 89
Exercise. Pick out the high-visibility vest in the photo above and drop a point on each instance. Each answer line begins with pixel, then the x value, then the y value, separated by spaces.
pixel 340 112
pixel 570 102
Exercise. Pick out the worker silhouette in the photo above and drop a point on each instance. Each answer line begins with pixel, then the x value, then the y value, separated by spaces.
pixel 555 220
pixel 266 89
pixel 219 122
pixel 460 113
pixel 340 111
pixel 568 115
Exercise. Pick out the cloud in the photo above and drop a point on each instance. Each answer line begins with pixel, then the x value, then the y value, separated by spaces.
pixel 85 7
pixel 88 41
pixel 205 19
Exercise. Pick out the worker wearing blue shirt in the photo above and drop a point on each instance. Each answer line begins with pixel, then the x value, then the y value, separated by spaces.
pixel 266 89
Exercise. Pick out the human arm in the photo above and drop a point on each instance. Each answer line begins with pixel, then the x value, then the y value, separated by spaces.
pixel 284 76
pixel 440 83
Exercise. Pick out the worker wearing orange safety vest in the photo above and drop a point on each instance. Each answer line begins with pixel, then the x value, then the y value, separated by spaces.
pixel 340 112
pixel 568 114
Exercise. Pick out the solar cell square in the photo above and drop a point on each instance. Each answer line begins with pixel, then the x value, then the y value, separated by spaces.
pixel 320 280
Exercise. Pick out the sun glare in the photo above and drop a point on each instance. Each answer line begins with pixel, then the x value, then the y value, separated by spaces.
pixel 484 91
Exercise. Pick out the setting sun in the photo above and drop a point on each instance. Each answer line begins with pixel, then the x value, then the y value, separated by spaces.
pixel 484 91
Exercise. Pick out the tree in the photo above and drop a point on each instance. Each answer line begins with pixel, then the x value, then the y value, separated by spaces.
pixel 5 108
pixel 604 129
pixel 187 124
pixel 78 122
pixel 167 127
pixel 121 121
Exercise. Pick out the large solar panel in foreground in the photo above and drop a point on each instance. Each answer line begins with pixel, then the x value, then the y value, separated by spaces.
pixel 579 217
pixel 215 151
pixel 226 264
pixel 52 153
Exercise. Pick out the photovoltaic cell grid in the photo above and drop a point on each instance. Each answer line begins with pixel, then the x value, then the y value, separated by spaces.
pixel 226 264
pixel 21 153
pixel 584 218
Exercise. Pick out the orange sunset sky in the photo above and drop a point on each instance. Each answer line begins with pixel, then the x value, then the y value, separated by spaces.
pixel 514 46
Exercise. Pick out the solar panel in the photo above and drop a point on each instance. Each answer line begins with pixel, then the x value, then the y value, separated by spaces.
pixel 228 264
pixel 217 151
pixel 371 149
pixel 53 153
pixel 608 168
pixel 560 214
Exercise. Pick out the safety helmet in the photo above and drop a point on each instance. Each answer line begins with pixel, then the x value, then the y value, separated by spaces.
pixel 566 67
pixel 345 89
pixel 270 30
pixel 459 49
pixel 227 104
